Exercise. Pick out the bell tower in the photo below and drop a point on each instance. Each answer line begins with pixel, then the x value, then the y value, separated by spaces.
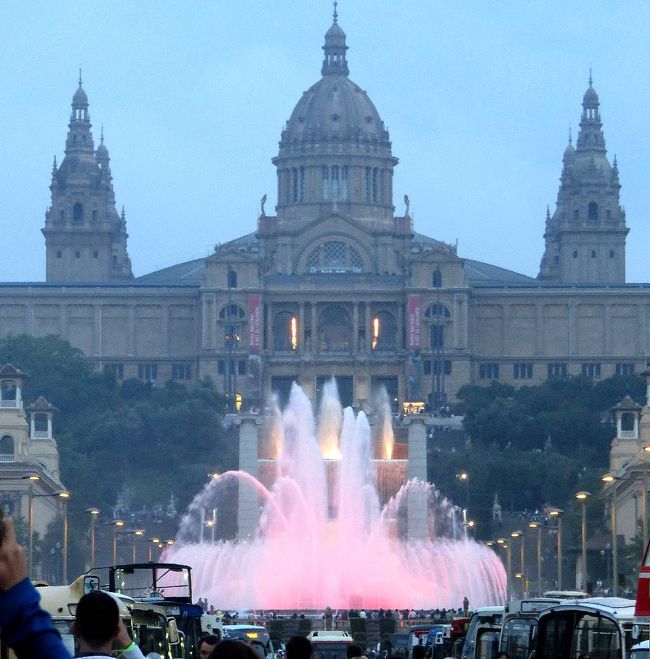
pixel 585 236
pixel 85 236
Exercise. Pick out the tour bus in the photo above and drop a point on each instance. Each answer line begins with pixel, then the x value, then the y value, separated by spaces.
pixel 597 627
pixel 482 638
pixel 147 623
pixel 169 586
pixel 519 621
pixel 330 644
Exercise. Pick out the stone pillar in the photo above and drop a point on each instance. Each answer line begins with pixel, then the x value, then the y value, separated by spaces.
pixel 248 500
pixel 417 512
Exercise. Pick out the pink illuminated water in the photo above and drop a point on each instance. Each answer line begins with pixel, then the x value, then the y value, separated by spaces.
pixel 315 548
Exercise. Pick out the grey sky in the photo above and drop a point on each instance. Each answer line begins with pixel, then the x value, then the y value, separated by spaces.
pixel 478 98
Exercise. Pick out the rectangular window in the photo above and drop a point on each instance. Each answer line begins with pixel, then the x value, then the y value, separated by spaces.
pixel 116 370
pixel 241 366
pixel 625 368
pixel 522 371
pixel 148 372
pixel 221 367
pixel 368 184
pixel 557 370
pixel 95 254
pixel 488 371
pixel 181 372
pixel 437 336
pixel 59 253
pixel 591 370
pixel 426 367
pixel 437 366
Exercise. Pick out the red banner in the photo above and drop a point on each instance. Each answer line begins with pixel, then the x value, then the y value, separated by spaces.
pixel 255 322
pixel 414 324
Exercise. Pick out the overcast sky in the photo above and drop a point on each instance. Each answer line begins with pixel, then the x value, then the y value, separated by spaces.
pixel 478 98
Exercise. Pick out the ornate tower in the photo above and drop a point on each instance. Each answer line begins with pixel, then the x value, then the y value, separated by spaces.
pixel 335 152
pixel 85 236
pixel 585 236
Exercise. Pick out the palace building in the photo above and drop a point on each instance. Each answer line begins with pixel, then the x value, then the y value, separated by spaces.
pixel 334 282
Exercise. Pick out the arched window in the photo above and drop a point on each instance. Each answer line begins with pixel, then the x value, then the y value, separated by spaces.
pixel 437 278
pixel 294 184
pixel 232 279
pixel 335 330
pixel 78 212
pixel 384 332
pixel 232 311
pixel 285 332
pixel 368 185
pixel 437 311
pixel 334 256
pixel 326 181
pixel 592 211
pixel 375 184
pixel 7 449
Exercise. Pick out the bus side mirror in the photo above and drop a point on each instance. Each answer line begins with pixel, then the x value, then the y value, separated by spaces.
pixel 172 631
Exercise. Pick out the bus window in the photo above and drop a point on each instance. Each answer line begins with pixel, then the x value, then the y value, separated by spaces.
pixel 596 637
pixel 487 644
pixel 516 637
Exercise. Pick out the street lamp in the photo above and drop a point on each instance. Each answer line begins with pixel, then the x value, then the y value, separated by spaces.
pixel 582 496
pixel 134 534
pixel 522 549
pixel 557 513
pixel 116 523
pixel 463 476
pixel 609 480
pixel 64 495
pixel 94 513
pixel 538 526
pixel 153 542
pixel 505 545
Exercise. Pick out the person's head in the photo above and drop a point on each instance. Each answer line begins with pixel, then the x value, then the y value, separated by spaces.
pixel 502 655
pixel 206 645
pixel 419 652
pixel 231 648
pixel 97 620
pixel 298 647
pixel 353 650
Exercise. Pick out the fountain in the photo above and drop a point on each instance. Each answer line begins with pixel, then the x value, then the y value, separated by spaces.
pixel 325 539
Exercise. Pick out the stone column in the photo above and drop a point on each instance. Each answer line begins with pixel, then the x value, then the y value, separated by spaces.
pixel 314 330
pixel 355 328
pixel 248 500
pixel 417 512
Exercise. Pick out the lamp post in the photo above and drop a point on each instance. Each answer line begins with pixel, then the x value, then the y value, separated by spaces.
pixel 582 496
pixel 94 513
pixel 610 480
pixel 463 476
pixel 153 542
pixel 64 497
pixel 522 550
pixel 30 520
pixel 506 545
pixel 538 526
pixel 135 534
pixel 557 513
pixel 116 523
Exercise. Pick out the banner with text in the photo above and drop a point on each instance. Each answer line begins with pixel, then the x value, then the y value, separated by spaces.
pixel 255 322
pixel 414 324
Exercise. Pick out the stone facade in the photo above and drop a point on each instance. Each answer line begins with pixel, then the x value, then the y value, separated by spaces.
pixel 335 282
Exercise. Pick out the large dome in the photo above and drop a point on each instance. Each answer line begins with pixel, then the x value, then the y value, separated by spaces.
pixel 335 109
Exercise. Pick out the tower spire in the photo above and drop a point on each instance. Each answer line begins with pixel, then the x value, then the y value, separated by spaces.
pixel 336 15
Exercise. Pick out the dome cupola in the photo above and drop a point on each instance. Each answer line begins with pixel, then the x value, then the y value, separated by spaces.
pixel 335 149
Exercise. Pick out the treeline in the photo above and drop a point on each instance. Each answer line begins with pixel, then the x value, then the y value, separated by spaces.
pixel 140 442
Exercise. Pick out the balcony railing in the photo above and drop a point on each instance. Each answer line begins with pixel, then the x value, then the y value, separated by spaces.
pixel 40 434
pixel 7 457
pixel 9 403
